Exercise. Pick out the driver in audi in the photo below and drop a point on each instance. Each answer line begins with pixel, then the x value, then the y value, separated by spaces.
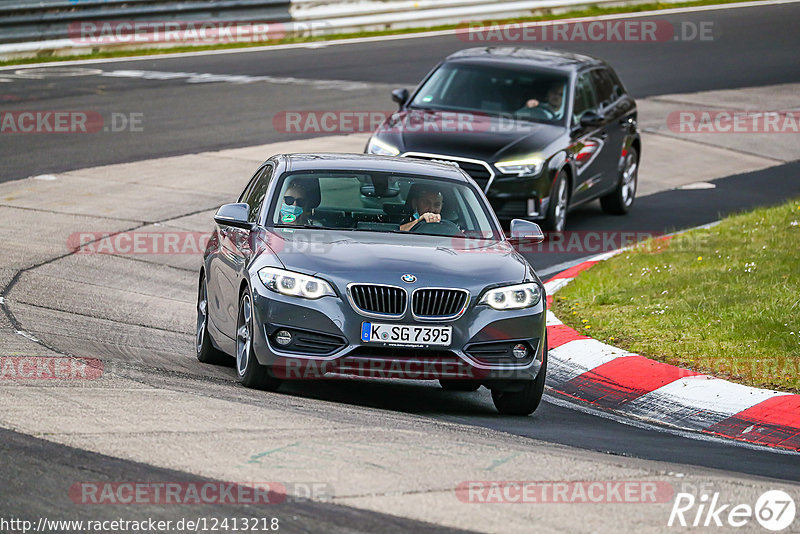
pixel 427 206
pixel 553 103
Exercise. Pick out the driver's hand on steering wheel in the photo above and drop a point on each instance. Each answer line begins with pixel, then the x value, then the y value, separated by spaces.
pixel 429 217
pixel 532 103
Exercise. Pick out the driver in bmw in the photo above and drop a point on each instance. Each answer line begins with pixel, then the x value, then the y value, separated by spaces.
pixel 427 206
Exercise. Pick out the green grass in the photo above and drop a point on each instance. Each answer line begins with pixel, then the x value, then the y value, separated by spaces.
pixel 723 301
pixel 48 56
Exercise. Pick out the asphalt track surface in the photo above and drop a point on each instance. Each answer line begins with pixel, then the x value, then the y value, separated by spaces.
pixel 754 46
pixel 751 47
pixel 38 481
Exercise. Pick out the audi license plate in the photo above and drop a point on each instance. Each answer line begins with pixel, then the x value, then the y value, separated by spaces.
pixel 406 334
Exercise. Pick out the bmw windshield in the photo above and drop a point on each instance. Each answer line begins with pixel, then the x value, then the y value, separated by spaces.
pixel 381 202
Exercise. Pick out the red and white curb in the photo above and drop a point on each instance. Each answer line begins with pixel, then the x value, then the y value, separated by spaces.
pixel 628 384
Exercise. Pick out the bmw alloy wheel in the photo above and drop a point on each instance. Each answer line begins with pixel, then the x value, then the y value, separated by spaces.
pixel 202 316
pixel 244 335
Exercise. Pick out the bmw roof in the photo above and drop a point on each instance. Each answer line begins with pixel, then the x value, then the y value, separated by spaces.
pixel 370 163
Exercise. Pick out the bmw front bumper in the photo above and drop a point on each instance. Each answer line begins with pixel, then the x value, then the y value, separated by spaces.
pixel 326 338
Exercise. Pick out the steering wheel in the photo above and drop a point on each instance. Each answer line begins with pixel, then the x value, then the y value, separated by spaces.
pixel 444 227
pixel 540 112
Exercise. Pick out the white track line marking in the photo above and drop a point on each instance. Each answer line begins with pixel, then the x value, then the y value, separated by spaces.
pixel 195 77
pixel 27 335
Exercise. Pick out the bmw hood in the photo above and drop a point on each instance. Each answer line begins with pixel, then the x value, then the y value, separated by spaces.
pixel 473 135
pixel 374 257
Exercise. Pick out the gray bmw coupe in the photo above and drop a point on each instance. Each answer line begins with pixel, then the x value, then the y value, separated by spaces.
pixel 334 264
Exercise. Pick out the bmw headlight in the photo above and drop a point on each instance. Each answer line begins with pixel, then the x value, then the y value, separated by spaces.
pixel 294 284
pixel 381 148
pixel 513 297
pixel 521 167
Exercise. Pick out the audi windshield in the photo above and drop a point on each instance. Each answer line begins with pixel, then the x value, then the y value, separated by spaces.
pixel 524 94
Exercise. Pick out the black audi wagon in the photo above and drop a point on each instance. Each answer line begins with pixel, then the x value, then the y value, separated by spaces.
pixel 540 131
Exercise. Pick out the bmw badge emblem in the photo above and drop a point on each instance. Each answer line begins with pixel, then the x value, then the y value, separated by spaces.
pixel 409 278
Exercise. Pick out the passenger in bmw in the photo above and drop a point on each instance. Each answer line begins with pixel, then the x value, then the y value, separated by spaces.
pixel 427 205
pixel 293 205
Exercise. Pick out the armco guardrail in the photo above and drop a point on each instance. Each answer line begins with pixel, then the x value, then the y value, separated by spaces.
pixel 47 27
pixel 51 19
pixel 344 16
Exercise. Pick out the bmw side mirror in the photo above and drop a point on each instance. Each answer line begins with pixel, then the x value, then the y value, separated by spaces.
pixel 235 215
pixel 526 231
pixel 591 119
pixel 400 96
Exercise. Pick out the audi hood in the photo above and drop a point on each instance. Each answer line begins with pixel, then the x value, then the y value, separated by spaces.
pixel 475 135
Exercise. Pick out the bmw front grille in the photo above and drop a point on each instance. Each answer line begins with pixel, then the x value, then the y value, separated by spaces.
pixel 427 303
pixel 438 303
pixel 378 300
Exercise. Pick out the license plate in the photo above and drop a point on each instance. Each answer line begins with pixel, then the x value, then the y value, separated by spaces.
pixel 406 334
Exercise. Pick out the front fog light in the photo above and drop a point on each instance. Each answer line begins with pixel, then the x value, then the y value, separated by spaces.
pixel 520 351
pixel 283 337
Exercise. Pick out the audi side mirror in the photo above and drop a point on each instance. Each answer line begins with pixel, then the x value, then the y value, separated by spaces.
pixel 591 119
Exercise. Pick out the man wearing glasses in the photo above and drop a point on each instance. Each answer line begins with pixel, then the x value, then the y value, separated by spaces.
pixel 293 205
pixel 427 205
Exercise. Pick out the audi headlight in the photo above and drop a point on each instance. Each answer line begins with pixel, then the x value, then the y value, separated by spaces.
pixel 513 297
pixel 381 148
pixel 295 284
pixel 521 167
